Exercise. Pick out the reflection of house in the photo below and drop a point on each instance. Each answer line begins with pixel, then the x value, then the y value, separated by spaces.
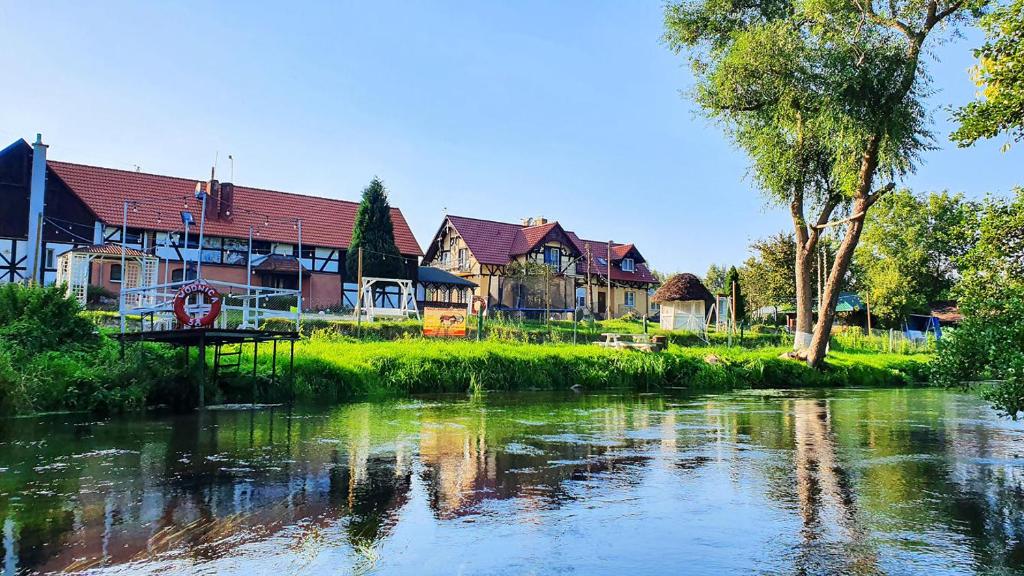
pixel 537 265
pixel 84 205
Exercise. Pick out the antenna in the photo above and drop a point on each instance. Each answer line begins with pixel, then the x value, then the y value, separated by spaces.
pixel 231 158
pixel 213 169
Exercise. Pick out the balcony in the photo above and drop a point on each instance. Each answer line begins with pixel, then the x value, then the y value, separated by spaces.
pixel 453 267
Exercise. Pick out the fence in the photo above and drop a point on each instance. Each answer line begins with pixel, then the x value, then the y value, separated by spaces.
pixel 243 307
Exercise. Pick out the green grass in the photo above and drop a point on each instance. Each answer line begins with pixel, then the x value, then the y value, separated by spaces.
pixel 335 369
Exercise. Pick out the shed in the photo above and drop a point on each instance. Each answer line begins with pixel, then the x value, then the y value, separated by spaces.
pixel 685 303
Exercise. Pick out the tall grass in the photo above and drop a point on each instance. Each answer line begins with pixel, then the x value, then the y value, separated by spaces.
pixel 333 368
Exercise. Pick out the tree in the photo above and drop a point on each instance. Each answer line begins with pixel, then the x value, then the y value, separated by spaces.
pixel 375 234
pixel 732 278
pixel 714 280
pixel 1000 75
pixel 989 343
pixel 768 274
pixel 907 254
pixel 826 99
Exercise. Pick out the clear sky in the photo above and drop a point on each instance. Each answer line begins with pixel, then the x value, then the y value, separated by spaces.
pixel 495 110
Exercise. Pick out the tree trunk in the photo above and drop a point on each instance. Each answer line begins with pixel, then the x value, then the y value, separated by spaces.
pixel 827 308
pixel 804 299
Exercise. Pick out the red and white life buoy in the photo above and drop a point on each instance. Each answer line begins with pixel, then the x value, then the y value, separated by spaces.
pixel 213 300
pixel 479 305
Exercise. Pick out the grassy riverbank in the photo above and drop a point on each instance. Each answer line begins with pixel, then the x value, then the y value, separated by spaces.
pixel 53 357
pixel 336 369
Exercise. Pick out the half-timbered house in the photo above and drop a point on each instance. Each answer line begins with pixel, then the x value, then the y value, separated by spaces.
pixel 538 267
pixel 86 205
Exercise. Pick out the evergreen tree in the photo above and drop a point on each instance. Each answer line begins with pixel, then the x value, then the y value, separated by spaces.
pixel 731 276
pixel 375 234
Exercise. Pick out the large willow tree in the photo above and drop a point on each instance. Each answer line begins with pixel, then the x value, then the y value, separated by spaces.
pixel 825 96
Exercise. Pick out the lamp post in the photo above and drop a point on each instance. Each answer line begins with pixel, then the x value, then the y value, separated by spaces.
pixel 124 239
pixel 201 195
pixel 298 317
pixel 187 220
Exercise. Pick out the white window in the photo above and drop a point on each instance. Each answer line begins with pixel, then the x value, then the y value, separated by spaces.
pixel 463 258
pixel 49 257
pixel 115 273
pixel 627 265
pixel 630 298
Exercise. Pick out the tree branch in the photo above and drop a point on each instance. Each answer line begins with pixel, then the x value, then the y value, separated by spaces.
pixel 874 196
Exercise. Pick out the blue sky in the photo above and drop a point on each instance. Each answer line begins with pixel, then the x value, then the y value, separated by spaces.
pixel 496 110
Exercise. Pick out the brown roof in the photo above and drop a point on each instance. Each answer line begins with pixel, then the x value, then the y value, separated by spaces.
pixel 493 242
pixel 947 311
pixel 681 288
pixel 326 222
pixel 280 264
pixel 599 252
pixel 110 249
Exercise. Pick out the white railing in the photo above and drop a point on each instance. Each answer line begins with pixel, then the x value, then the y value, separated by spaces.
pixel 243 307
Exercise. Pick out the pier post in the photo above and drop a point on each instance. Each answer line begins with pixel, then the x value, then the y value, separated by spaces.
pixel 202 370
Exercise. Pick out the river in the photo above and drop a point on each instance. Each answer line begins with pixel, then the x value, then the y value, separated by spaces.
pixel 905 481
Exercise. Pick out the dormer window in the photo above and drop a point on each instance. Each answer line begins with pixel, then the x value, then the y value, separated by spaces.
pixel 627 265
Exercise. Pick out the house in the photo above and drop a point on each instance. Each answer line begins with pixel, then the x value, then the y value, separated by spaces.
pixel 77 205
pixel 538 267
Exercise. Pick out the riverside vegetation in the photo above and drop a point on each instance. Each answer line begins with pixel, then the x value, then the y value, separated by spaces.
pixel 55 357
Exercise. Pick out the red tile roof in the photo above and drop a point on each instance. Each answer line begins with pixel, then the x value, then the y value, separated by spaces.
pixel 489 241
pixel 325 221
pixel 493 242
pixel 109 250
pixel 599 249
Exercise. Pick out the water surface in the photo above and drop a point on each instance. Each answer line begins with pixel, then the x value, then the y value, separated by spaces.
pixel 825 482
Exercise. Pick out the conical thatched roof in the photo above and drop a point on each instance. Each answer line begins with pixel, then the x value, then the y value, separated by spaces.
pixel 682 287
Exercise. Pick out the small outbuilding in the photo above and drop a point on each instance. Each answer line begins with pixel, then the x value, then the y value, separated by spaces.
pixel 684 302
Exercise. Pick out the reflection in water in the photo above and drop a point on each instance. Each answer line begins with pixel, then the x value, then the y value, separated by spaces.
pixel 854 482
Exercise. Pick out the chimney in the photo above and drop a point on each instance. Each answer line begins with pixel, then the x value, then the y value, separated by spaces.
pixel 227 199
pixel 212 199
pixel 526 221
pixel 540 221
pixel 36 203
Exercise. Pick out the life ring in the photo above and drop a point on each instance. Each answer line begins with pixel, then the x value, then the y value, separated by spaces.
pixel 479 305
pixel 181 299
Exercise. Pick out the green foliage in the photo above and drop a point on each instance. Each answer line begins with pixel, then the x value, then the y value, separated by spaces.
pixel 332 368
pixel 35 320
pixel 768 275
pixel 374 232
pixel 1000 75
pixel 989 343
pixel 907 253
pixel 826 98
pixel 733 278
pixel 714 279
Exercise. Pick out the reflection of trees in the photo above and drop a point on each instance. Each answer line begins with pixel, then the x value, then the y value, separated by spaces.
pixel 832 534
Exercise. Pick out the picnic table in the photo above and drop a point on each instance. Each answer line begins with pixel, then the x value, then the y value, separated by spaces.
pixel 634 342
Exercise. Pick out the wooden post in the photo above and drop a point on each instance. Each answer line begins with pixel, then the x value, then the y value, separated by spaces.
pixel 611 301
pixel 202 368
pixel 733 306
pixel 359 293
pixel 867 305
pixel 255 355
pixel 590 284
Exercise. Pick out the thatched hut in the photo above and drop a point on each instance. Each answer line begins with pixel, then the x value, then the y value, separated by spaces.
pixel 684 302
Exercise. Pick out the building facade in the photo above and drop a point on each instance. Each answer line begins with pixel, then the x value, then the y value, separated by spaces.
pixel 50 207
pixel 538 267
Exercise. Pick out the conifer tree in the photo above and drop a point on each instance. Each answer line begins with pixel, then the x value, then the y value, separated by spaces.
pixel 732 276
pixel 375 234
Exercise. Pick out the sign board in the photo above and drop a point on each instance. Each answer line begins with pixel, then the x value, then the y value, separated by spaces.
pixel 444 322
